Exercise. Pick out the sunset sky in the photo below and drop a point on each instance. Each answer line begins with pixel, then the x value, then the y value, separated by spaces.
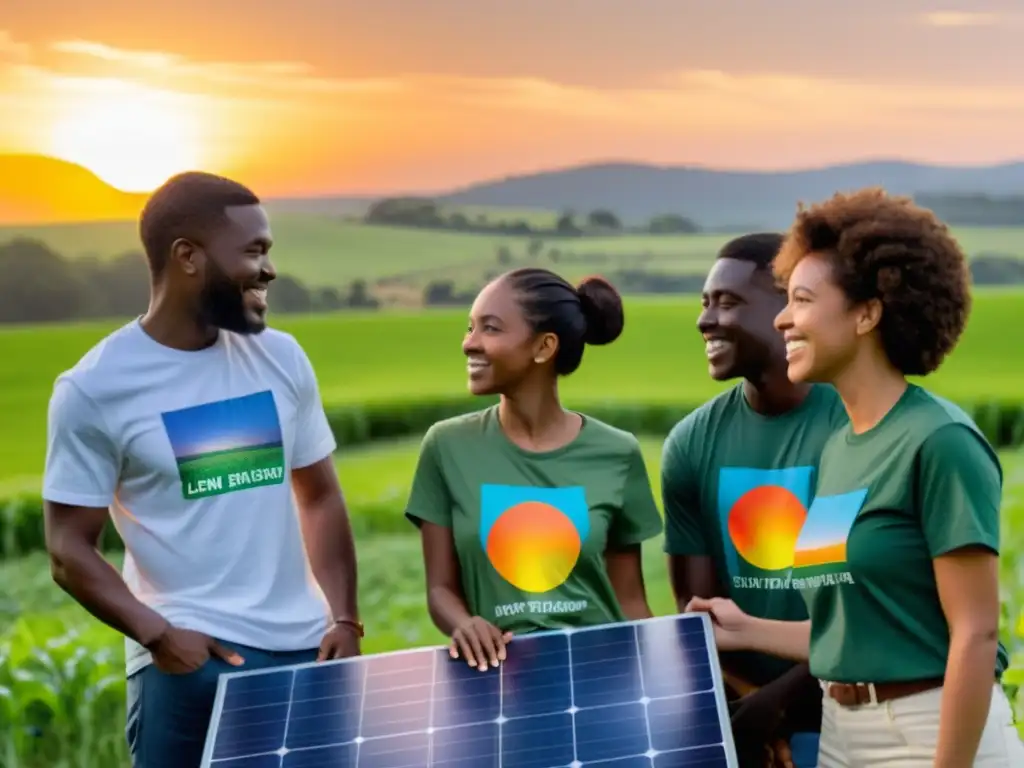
pixel 318 96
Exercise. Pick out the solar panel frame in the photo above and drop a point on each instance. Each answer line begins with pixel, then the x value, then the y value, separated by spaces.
pixel 717 685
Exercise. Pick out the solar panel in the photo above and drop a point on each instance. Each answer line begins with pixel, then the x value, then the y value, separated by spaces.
pixel 645 694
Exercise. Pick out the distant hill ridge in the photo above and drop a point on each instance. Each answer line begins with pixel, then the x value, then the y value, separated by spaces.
pixel 36 189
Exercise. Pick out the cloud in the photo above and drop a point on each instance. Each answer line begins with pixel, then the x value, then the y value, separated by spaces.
pixel 283 76
pixel 697 99
pixel 960 19
pixel 11 50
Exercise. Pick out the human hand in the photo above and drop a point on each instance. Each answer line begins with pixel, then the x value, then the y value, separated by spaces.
pixel 178 651
pixel 478 641
pixel 730 623
pixel 756 716
pixel 340 642
pixel 780 755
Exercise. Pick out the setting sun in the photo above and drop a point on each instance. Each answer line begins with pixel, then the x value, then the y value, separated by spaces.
pixel 132 137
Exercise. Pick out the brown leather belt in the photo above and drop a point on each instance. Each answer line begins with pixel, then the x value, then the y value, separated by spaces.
pixel 858 694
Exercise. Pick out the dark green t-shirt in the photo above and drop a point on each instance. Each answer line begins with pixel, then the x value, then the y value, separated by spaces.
pixel 921 483
pixel 736 486
pixel 531 529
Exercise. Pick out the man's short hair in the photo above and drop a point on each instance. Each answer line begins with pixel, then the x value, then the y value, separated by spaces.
pixel 187 206
pixel 759 248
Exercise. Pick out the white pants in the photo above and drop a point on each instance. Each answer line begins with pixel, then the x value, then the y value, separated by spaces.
pixel 904 732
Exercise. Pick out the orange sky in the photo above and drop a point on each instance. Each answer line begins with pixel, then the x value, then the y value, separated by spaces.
pixel 316 96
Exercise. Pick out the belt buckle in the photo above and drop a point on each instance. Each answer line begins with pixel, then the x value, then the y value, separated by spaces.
pixel 855 689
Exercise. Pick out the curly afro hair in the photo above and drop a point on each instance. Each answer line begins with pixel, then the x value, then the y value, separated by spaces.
pixel 885 247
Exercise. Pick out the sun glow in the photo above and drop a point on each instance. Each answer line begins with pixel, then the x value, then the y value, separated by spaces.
pixel 131 136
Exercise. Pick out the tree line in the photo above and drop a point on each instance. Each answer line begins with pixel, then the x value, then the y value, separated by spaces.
pixel 40 285
pixel 424 213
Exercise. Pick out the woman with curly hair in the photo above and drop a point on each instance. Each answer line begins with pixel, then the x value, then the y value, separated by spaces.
pixel 897 559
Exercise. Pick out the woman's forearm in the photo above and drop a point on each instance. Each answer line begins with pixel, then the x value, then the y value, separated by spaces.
pixel 784 639
pixel 447 608
pixel 966 698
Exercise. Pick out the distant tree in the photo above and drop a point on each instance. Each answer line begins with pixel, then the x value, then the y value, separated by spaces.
pixel 405 212
pixel 290 295
pixel 327 300
pixel 566 224
pixel 671 224
pixel 503 255
pixel 603 219
pixel 534 248
pixel 359 296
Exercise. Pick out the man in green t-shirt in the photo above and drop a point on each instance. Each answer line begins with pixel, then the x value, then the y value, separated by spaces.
pixel 738 475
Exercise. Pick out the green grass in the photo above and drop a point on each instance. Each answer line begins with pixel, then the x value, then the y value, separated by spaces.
pixel 396 356
pixel 324 250
pixel 71 666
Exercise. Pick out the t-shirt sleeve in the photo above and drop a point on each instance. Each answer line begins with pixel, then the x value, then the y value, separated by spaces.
pixel 429 499
pixel 83 461
pixel 680 493
pixel 314 439
pixel 638 520
pixel 959 488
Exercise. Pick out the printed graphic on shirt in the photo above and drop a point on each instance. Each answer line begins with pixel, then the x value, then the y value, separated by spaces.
pixel 227 446
pixel 533 536
pixel 761 513
pixel 822 542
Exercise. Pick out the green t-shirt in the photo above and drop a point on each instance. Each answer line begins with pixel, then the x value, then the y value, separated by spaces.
pixel 531 529
pixel 921 483
pixel 736 486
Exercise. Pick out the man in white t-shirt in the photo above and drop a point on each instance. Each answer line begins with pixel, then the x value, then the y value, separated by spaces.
pixel 192 427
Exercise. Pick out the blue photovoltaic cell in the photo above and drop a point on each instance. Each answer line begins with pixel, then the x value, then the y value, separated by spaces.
pixel 638 695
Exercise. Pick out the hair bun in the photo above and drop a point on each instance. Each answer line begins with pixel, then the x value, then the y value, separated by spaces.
pixel 602 308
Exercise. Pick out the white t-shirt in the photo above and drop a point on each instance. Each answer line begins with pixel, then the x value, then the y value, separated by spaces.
pixel 192 453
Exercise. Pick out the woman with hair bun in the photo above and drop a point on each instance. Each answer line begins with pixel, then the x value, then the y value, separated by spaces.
pixel 532 516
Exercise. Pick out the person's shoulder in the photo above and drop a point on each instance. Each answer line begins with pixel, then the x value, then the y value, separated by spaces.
pixel 609 436
pixel 825 402
pixel 947 429
pixel 103 362
pixel 705 418
pixel 459 427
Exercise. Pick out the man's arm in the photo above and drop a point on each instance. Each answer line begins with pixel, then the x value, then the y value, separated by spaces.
pixel 323 516
pixel 72 538
pixel 691 567
pixel 80 479
pixel 327 533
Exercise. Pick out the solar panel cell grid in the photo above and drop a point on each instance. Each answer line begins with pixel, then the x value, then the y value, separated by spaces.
pixel 643 694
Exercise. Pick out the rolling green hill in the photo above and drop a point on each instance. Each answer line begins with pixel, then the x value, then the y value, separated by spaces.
pixel 331 251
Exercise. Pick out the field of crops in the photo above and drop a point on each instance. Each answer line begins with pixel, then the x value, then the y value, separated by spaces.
pixel 392 357
pixel 70 678
pixel 324 250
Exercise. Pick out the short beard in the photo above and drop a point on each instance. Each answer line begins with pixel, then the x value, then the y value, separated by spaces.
pixel 222 305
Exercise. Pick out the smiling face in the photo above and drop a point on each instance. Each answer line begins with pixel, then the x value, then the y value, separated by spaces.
pixel 501 348
pixel 822 329
pixel 740 303
pixel 237 271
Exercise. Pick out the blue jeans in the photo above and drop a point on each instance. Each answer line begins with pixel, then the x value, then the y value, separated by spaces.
pixel 804 747
pixel 168 715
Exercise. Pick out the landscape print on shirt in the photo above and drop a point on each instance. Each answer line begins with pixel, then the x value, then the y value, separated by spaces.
pixel 533 538
pixel 227 446
pixel 820 557
pixel 761 512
